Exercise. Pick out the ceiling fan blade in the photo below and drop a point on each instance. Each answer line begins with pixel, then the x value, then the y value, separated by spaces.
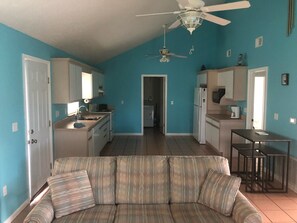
pixel 216 19
pixel 227 6
pixel 159 13
pixel 174 25
pixel 152 55
pixel 176 55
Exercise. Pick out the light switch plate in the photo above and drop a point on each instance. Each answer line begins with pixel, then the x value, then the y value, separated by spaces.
pixel 228 53
pixel 14 127
pixel 275 116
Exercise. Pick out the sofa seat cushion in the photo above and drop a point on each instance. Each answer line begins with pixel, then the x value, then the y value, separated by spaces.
pixel 101 172
pixel 188 173
pixel 142 180
pixel 143 213
pixel 99 213
pixel 194 212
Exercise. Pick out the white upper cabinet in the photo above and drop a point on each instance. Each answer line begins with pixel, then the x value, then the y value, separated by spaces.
pixel 67 81
pixel 98 84
pixel 234 79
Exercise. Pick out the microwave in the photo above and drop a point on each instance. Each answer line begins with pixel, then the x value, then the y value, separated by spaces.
pixel 217 95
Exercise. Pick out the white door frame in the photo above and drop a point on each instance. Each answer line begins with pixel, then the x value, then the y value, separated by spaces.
pixel 164 101
pixel 24 58
pixel 251 75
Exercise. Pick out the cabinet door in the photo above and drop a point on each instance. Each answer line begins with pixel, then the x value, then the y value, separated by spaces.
pixel 215 133
pixel 75 82
pixel 208 132
pixel 98 84
pixel 226 79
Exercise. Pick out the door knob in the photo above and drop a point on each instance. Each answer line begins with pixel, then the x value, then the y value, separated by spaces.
pixel 33 141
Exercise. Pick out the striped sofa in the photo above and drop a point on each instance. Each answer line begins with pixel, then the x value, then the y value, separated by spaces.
pixel 146 189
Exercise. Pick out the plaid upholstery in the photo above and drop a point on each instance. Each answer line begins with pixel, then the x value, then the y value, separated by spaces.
pixel 244 211
pixel 99 213
pixel 101 172
pixel 43 212
pixel 71 192
pixel 187 174
pixel 143 213
pixel 142 180
pixel 219 191
pixel 193 212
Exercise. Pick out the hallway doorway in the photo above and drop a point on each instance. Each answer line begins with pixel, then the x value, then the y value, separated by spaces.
pixel 153 102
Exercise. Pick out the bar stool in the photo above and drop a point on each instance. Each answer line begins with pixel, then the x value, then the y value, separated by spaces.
pixel 271 154
pixel 239 147
pixel 258 174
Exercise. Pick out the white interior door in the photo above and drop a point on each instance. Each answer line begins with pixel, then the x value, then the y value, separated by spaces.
pixel 257 94
pixel 38 126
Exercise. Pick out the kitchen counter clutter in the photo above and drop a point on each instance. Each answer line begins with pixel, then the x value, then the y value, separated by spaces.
pixel 218 131
pixel 81 137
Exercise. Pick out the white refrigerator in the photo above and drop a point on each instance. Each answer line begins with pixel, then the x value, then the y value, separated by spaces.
pixel 200 99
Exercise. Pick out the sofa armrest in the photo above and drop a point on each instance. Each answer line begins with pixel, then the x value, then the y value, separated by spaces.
pixel 244 211
pixel 43 212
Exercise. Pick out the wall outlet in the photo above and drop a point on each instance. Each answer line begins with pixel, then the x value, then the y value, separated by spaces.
pixel 275 116
pixel 172 102
pixel 259 41
pixel 228 53
pixel 122 102
pixel 57 114
pixel 14 127
pixel 4 191
pixel 293 121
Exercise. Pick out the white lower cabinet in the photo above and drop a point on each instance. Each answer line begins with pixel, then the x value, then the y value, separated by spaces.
pixel 218 132
pixel 81 142
pixel 212 133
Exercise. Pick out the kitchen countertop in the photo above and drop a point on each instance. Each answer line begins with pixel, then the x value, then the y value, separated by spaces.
pixel 223 117
pixel 68 123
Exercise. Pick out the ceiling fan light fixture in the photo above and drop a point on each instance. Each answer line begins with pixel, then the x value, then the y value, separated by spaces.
pixel 191 19
pixel 164 59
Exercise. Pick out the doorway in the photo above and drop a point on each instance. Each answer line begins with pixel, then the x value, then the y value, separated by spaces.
pixel 154 102
pixel 37 102
pixel 257 98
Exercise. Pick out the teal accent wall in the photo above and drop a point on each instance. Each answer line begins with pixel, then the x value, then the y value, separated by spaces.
pixel 123 77
pixel 267 18
pixel 13 172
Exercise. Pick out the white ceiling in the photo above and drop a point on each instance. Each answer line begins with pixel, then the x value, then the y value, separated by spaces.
pixel 93 30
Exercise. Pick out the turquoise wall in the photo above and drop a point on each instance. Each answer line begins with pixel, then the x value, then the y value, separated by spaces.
pixel 123 78
pixel 12 145
pixel 267 18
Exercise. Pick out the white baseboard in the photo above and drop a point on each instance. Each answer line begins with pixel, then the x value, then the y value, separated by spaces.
pixel 179 134
pixel 17 212
pixel 128 134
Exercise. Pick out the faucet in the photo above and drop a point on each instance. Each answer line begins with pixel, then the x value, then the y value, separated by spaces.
pixel 78 112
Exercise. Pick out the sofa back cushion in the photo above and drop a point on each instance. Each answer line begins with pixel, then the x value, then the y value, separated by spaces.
pixel 188 173
pixel 101 172
pixel 142 180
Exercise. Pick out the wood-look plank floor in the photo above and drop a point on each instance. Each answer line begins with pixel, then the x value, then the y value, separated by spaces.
pixel 155 143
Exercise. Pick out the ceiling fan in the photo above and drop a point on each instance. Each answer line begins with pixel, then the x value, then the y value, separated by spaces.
pixel 193 12
pixel 165 53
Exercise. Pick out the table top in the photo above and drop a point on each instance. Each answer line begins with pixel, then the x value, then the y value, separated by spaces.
pixel 256 136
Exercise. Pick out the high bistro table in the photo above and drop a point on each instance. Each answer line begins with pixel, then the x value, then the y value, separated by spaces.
pixel 258 140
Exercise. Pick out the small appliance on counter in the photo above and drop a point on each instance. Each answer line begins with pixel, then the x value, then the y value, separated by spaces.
pixel 235 112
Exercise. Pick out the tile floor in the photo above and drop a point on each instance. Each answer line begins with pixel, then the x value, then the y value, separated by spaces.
pixel 277 207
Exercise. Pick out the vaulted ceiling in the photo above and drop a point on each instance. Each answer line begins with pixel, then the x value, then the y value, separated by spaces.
pixel 93 30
